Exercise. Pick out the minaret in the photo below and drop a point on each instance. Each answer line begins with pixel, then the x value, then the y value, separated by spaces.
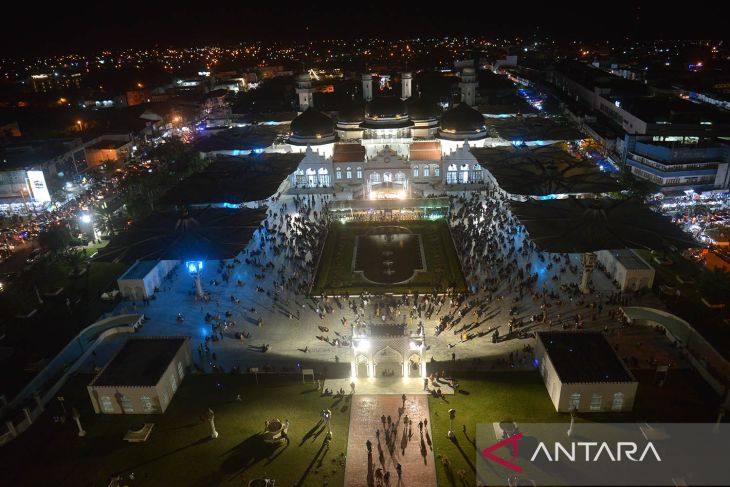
pixel 304 90
pixel 367 87
pixel 405 80
pixel 468 86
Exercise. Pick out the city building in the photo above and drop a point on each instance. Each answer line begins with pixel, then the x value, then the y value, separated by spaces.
pixel 108 148
pixel 669 141
pixel 627 269
pixel 140 281
pixel 142 377
pixel 582 372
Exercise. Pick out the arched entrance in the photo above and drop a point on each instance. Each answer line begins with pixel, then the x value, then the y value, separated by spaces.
pixel 388 362
pixel 361 362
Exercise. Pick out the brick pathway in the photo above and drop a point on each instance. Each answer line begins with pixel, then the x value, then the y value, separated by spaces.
pixel 414 455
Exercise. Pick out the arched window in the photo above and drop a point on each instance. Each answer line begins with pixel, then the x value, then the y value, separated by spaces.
pixel 348 173
pixel 358 172
pixel 426 171
pixel 375 177
pixel 338 173
pixel 437 170
pixel 415 171
pixel 617 404
pixel 400 177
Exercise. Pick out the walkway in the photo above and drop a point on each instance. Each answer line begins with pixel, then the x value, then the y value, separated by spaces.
pixel 415 454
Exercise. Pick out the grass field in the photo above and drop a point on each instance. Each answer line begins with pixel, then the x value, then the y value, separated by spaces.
pixel 335 274
pixel 179 450
pixel 521 397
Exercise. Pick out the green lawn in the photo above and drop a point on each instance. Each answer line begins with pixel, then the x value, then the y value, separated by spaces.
pixel 521 397
pixel 335 274
pixel 179 450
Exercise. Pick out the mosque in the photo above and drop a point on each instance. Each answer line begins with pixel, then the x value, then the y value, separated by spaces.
pixel 388 147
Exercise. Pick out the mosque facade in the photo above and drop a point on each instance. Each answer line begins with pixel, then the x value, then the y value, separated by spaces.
pixel 387 146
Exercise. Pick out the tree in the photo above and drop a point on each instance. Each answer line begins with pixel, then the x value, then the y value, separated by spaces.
pixel 55 239
pixel 638 189
pixel 104 217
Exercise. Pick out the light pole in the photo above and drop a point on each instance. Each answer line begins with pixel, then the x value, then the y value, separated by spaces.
pixel 77 418
pixel 211 422
pixel 327 416
pixel 573 410
pixel 452 415
pixel 195 267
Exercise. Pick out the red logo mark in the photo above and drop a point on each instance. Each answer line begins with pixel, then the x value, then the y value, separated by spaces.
pixel 512 440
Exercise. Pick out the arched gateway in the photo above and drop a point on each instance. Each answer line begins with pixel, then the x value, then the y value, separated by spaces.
pixel 387 351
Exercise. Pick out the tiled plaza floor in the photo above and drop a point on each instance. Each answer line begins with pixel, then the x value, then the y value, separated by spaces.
pixel 413 451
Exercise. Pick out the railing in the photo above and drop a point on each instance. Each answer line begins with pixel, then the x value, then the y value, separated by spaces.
pixel 30 402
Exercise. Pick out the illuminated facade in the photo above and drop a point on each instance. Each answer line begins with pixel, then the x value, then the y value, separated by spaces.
pixel 387 147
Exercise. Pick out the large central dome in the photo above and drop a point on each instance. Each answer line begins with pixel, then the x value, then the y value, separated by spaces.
pixel 462 123
pixel 312 128
pixel 386 112
pixel 386 107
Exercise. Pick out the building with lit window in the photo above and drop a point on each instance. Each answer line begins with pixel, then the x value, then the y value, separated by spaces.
pixel 582 372
pixel 142 377
pixel 387 146
pixel 674 143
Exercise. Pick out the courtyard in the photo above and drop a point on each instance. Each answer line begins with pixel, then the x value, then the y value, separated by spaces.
pixel 402 257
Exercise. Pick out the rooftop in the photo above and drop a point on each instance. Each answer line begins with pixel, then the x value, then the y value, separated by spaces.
pixel 630 260
pixel 583 357
pixel 348 153
pixel 425 151
pixel 140 362
pixel 140 269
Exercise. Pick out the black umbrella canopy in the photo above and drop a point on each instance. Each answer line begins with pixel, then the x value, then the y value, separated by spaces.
pixel 234 180
pixel 544 170
pixel 189 234
pixel 586 225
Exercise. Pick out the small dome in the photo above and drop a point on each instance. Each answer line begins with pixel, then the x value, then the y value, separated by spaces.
pixel 386 107
pixel 351 112
pixel 312 124
pixel 462 118
pixel 421 109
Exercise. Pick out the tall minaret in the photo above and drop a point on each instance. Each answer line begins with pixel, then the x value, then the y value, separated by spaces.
pixel 405 80
pixel 304 90
pixel 367 87
pixel 468 86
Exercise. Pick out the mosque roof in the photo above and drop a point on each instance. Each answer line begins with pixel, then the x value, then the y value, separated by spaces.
pixel 311 124
pixel 462 118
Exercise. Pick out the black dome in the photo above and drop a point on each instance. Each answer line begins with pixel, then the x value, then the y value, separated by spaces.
pixel 386 107
pixel 462 118
pixel 351 112
pixel 312 123
pixel 421 109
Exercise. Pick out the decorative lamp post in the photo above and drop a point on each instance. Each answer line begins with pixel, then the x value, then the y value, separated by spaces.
pixel 195 268
pixel 327 416
pixel 452 415
pixel 211 422
pixel 573 410
pixel 77 417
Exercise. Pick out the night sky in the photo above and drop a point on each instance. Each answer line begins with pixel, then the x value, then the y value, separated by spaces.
pixel 32 28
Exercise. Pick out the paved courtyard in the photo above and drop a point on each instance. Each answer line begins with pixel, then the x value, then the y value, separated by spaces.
pixel 412 447
pixel 291 323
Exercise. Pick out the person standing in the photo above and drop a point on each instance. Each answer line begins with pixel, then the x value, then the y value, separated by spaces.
pixel 369 446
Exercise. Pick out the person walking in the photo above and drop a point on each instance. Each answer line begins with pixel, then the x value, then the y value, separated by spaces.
pixel 399 470
pixel 369 446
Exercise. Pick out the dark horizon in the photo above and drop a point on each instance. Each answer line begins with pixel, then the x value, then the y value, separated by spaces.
pixel 57 30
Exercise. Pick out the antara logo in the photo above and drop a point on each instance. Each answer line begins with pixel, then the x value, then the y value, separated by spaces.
pixel 622 449
pixel 592 451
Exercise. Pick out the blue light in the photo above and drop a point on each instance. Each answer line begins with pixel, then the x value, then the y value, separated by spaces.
pixel 535 363
pixel 194 266
pixel 517 142
pixel 258 151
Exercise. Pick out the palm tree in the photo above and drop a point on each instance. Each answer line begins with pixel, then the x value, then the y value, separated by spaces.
pixel 104 217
